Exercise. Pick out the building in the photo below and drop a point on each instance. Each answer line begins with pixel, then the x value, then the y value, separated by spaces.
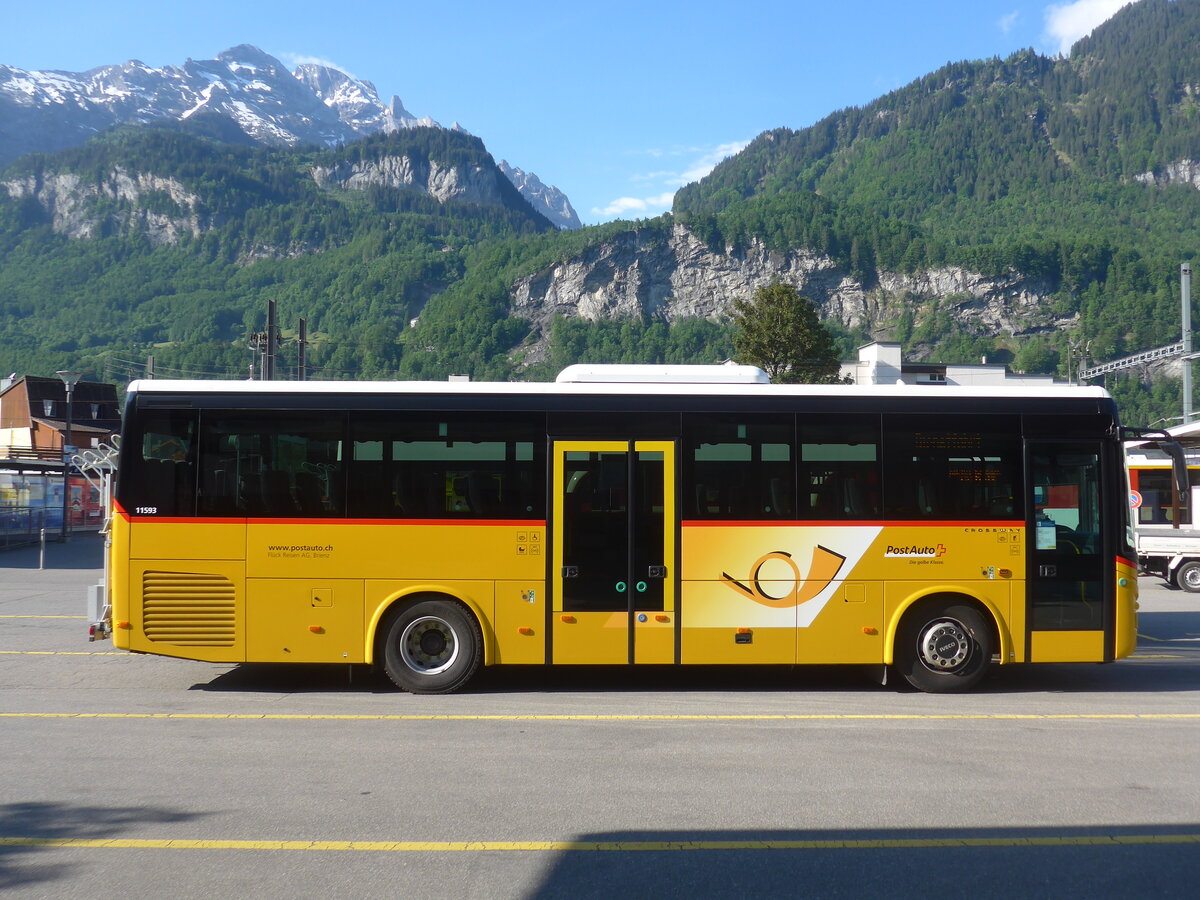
pixel 33 416
pixel 882 362
pixel 33 424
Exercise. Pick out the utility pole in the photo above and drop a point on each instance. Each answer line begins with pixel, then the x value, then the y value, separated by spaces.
pixel 302 355
pixel 272 342
pixel 265 344
pixel 1185 302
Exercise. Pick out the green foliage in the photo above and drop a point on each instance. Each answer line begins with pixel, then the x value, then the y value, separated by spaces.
pixel 778 331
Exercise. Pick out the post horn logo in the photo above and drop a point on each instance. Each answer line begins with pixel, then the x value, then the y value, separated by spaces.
pixel 824 567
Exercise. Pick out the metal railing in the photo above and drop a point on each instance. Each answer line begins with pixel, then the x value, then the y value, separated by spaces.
pixel 21 525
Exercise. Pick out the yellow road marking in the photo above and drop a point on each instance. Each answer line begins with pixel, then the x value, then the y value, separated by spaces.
pixel 613 717
pixel 571 846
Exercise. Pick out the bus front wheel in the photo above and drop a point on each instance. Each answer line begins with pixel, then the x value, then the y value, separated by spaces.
pixel 432 647
pixel 944 648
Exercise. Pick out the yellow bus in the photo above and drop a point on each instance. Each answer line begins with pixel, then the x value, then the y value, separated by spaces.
pixel 649 516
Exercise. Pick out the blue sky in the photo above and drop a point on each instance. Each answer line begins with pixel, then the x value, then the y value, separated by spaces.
pixel 618 103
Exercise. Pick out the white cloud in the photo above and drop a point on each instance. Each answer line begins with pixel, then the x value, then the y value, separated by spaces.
pixel 300 59
pixel 1067 23
pixel 696 163
pixel 1006 23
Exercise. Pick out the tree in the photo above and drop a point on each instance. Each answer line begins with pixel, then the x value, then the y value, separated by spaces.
pixel 778 331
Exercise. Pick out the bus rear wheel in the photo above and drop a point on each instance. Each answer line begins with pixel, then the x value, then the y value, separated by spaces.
pixel 432 647
pixel 944 648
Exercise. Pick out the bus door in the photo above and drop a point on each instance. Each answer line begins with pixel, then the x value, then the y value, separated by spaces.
pixel 613 553
pixel 1067 575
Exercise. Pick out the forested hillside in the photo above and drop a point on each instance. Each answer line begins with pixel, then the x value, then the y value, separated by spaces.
pixel 404 252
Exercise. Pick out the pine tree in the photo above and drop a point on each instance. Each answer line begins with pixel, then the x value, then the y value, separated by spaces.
pixel 778 331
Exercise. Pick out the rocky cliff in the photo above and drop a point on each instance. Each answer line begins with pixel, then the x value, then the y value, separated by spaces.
pixel 119 202
pixel 670 274
pixel 472 184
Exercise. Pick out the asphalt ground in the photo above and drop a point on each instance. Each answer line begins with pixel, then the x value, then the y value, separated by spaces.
pixel 136 776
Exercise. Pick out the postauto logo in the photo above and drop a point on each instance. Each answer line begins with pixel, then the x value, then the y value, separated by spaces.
pixel 914 551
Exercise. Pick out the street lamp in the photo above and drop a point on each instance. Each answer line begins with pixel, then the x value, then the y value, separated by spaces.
pixel 69 379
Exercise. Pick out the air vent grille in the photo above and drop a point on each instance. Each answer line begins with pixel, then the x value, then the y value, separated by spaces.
pixel 189 610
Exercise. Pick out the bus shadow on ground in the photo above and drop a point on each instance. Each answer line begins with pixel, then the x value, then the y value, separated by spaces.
pixel 1104 861
pixel 1138 675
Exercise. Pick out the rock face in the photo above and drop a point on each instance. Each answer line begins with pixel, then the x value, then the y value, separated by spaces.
pixel 121 201
pixel 1183 171
pixel 549 201
pixel 473 184
pixel 672 274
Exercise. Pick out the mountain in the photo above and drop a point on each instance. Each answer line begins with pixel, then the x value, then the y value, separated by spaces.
pixel 548 200
pixel 1001 207
pixel 242 96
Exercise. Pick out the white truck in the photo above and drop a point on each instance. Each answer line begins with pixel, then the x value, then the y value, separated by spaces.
pixel 1166 535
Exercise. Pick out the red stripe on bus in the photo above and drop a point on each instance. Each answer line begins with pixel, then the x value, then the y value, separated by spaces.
pixel 197 520
pixel 836 523
pixel 1126 562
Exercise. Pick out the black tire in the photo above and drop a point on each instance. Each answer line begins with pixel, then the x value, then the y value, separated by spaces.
pixel 432 647
pixel 944 648
pixel 1187 576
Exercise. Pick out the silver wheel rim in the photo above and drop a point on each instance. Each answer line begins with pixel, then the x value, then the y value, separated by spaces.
pixel 429 645
pixel 1191 577
pixel 944 646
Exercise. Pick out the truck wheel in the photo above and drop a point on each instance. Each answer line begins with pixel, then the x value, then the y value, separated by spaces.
pixel 1187 576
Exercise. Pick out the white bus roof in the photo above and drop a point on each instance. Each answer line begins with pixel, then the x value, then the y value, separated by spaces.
pixel 608 388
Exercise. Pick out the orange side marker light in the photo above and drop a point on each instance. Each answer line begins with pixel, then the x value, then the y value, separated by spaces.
pixel 316 629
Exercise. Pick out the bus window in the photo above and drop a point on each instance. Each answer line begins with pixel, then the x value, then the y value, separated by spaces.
pixel 839 469
pixel 739 467
pixel 969 471
pixel 159 477
pixel 483 467
pixel 272 464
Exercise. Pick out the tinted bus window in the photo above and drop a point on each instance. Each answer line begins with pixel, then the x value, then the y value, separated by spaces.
pixel 158 469
pixel 840 468
pixel 272 464
pixel 967 468
pixel 739 467
pixel 420 467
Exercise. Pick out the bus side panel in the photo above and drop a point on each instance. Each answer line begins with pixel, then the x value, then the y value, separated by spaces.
pixel 851 627
pixel 304 620
pixel 520 622
pixel 1126 617
pixel 190 608
pixel 399 549
pixel 1066 646
pixel 187 539
pixel 118 588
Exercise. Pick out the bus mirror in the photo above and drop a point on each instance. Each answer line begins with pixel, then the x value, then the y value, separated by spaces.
pixel 1179 469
